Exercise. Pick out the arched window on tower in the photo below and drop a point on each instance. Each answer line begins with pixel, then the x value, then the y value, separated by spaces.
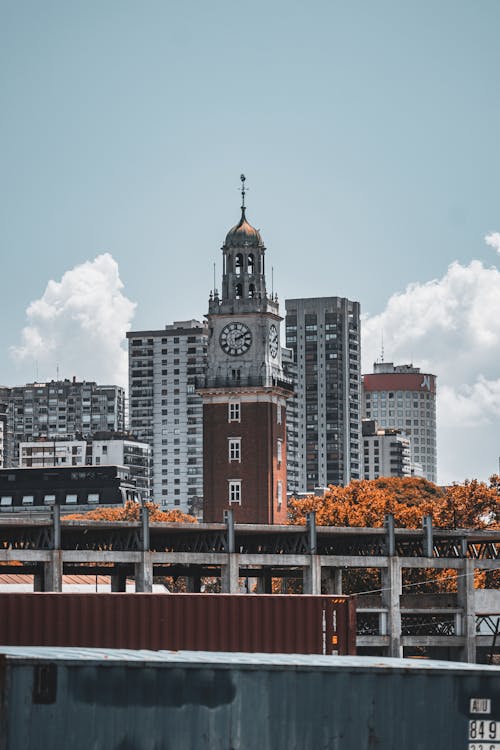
pixel 238 291
pixel 251 291
pixel 238 264
pixel 251 264
pixel 229 264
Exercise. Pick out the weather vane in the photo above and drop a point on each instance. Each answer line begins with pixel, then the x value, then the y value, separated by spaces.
pixel 243 191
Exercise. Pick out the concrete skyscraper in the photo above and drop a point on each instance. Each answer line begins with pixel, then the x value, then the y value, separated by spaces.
pixel 165 411
pixel 324 334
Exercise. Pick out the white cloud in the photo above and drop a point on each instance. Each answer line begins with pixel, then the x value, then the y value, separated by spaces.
pixel 79 325
pixel 493 240
pixel 450 327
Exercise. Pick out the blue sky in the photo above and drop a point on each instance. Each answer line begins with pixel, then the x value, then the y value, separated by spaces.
pixel 368 133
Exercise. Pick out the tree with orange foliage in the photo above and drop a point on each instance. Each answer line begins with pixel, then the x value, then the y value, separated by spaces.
pixel 131 512
pixel 366 503
pixel 472 504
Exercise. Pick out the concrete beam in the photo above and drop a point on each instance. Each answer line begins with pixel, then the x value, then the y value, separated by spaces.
pixel 28 556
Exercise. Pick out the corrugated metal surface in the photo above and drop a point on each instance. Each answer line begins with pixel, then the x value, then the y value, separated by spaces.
pixel 196 701
pixel 211 622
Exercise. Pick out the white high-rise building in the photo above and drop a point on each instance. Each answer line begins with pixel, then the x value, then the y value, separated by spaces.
pixel 324 334
pixel 402 397
pixel 386 453
pixel 166 412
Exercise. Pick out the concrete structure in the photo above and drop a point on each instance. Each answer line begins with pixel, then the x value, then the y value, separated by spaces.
pixel 61 408
pixel 104 449
pixel 166 412
pixel 244 391
pixel 401 397
pixel 386 453
pixel 324 334
pixel 394 620
pixel 292 432
pixel 3 435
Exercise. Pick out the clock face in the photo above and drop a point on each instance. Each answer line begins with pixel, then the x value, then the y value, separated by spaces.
pixel 273 340
pixel 235 339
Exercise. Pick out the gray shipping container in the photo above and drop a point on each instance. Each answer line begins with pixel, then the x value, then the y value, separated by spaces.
pixel 84 699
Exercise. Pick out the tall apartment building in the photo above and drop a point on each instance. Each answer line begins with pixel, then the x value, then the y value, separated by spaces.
pixel 165 411
pixel 3 435
pixel 61 408
pixel 292 434
pixel 324 334
pixel 386 453
pixel 400 396
pixel 6 446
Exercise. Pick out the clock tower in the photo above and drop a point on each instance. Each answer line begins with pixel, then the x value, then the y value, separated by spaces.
pixel 244 392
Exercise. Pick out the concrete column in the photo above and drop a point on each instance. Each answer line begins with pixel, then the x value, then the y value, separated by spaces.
pixel 230 573
pixel 311 531
pixel 52 572
pixel 118 581
pixel 391 590
pixel 428 536
pixel 390 534
pixel 230 530
pixel 312 576
pixel 38 581
pixel 465 586
pixel 265 582
pixel 331 581
pixel 193 583
pixel 144 573
pixel 145 529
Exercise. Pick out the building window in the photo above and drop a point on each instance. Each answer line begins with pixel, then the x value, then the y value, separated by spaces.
pixel 234 449
pixel 278 414
pixel 280 450
pixel 234 414
pixel 48 499
pixel 279 493
pixel 7 500
pixel 93 497
pixel 235 491
pixel 71 498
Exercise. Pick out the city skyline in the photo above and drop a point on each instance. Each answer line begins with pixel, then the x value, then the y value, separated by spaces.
pixel 368 136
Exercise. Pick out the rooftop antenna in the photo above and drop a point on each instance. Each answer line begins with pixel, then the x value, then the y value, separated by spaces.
pixel 382 346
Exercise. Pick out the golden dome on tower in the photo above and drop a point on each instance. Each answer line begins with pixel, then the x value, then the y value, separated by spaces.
pixel 243 234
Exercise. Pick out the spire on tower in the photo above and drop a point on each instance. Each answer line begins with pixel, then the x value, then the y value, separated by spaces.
pixel 242 178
